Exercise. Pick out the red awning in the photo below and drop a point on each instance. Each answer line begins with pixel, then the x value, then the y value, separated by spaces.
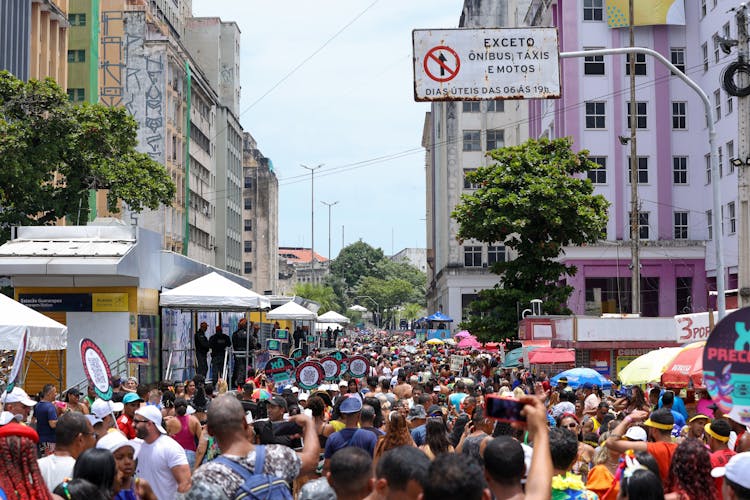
pixel 550 355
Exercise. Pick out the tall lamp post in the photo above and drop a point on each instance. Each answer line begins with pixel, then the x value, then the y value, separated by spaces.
pixel 312 219
pixel 329 205
pixel 377 306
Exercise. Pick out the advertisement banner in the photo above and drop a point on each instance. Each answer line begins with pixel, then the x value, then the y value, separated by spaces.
pixel 96 367
pixel 645 12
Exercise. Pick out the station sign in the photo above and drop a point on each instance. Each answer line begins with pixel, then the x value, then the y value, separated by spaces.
pixel 486 64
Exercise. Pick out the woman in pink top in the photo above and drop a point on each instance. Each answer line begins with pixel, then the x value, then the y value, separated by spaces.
pixel 188 432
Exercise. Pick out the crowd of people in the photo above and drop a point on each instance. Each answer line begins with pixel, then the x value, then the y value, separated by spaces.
pixel 411 428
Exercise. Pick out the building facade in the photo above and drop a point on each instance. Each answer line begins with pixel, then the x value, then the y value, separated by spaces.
pixel 416 257
pixel 674 184
pixel 297 266
pixel 260 220
pixel 456 137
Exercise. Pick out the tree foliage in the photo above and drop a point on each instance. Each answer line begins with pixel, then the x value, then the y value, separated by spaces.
pixel 355 261
pixel 55 152
pixel 532 201
pixel 322 294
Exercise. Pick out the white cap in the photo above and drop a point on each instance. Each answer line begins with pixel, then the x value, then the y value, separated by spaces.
pixel 295 389
pixel 93 420
pixel 101 408
pixel 343 383
pixel 115 440
pixel 17 395
pixel 636 433
pixel 303 396
pixel 152 413
pixel 737 470
pixel 6 417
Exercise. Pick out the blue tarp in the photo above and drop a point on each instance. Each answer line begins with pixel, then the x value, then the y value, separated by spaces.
pixel 438 316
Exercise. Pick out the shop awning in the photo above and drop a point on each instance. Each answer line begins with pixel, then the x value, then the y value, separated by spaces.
pixel 550 355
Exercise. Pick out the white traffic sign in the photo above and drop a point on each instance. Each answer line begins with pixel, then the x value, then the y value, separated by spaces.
pixel 486 64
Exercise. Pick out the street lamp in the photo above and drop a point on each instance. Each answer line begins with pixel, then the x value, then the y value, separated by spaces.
pixel 329 205
pixel 377 306
pixel 312 219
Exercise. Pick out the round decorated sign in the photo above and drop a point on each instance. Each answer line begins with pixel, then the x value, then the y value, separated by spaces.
pixel 309 375
pixel 726 365
pixel 280 370
pixel 297 356
pixel 331 368
pixel 358 366
pixel 96 367
pixel 18 361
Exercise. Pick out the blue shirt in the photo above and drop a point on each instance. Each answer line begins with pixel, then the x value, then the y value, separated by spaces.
pixel 419 434
pixel 347 436
pixel 456 398
pixel 45 411
pixel 678 406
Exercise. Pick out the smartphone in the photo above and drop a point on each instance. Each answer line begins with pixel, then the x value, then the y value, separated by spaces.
pixel 504 409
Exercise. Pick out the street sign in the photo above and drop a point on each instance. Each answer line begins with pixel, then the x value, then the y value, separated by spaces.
pixel 486 64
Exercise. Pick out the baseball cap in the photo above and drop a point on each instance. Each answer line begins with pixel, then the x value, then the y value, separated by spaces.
pixel 636 433
pixel 152 413
pixel 6 417
pixel 17 395
pixel 588 385
pixel 434 411
pixel 73 391
pixel 102 408
pixel 350 405
pixel 417 411
pixel 131 397
pixel 737 470
pixel 93 420
pixel 278 401
pixel 115 380
pixel 115 440
pixel 698 417
pixel 661 419
pixel 303 396
pixel 343 383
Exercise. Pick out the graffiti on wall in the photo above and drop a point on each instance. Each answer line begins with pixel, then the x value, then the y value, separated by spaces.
pixel 112 66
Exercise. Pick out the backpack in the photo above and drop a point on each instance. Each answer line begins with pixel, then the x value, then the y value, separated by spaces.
pixel 257 486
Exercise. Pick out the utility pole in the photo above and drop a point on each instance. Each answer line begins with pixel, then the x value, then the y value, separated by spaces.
pixel 312 219
pixel 634 215
pixel 743 152
pixel 329 205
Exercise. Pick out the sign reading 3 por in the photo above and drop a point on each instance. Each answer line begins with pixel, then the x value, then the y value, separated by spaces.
pixel 476 64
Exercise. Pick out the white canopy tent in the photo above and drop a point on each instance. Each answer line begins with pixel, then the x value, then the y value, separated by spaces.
pixel 45 334
pixel 213 292
pixel 290 311
pixel 321 327
pixel 333 317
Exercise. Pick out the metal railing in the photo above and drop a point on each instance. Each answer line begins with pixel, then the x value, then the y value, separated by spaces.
pixel 120 365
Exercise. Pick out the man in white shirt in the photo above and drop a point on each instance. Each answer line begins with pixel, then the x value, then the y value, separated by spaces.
pixel 591 400
pixel 73 435
pixel 161 461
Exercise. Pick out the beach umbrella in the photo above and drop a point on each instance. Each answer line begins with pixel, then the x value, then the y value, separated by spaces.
pixel 579 376
pixel 685 367
pixel 463 333
pixel 469 341
pixel 648 367
pixel 261 394
pixel 514 357
pixel 434 342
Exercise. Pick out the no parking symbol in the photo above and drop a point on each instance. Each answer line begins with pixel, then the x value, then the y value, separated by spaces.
pixel 441 63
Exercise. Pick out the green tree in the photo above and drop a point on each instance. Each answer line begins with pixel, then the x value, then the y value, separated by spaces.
pixel 532 201
pixel 55 152
pixel 412 311
pixel 388 293
pixel 355 261
pixel 322 294
pixel 387 269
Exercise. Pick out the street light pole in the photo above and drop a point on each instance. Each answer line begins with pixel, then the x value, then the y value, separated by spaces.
pixel 312 219
pixel 329 205
pixel 635 217
pixel 377 306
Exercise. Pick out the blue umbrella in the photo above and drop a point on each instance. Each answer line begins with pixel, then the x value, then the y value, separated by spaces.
pixel 514 358
pixel 438 316
pixel 579 376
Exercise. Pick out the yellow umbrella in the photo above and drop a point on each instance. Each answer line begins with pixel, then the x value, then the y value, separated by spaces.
pixel 434 342
pixel 649 367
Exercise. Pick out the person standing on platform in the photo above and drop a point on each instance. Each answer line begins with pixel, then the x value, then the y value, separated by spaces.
pixel 201 345
pixel 243 344
pixel 219 343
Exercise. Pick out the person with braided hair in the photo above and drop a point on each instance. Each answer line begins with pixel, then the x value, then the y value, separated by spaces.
pixel 19 471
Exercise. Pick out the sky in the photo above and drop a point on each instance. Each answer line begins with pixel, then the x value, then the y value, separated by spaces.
pixel 331 82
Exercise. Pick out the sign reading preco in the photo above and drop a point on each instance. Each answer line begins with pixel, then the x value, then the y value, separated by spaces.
pixel 486 64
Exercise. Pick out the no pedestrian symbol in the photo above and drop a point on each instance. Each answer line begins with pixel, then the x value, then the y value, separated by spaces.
pixel 441 63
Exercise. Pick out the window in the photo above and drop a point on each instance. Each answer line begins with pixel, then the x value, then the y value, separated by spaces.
pixel 593 10
pixel 721 162
pixel 643 231
pixel 598 175
pixel 641 119
pixel 732 218
pixel 76 56
pixel 77 19
pixel 677 57
pixel 593 65
pixel 679 170
pixel 717 104
pixel 495 139
pixel 721 218
pixel 467 184
pixel 248 246
pixel 703 8
pixel 680 225
pixel 495 106
pixel 471 106
pixel 495 253
pixel 76 95
pixel 640 64
pixel 708 168
pixel 730 104
pixel 726 30
pixel 248 182
pixel 472 140
pixel 704 50
pixel 679 115
pixel 248 267
pixel 248 204
pixel 595 114
pixel 248 224
pixel 642 170
pixel 730 155
pixel 717 51
pixel 710 223
pixel 473 256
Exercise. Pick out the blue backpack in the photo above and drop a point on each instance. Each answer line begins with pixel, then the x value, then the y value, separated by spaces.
pixel 257 486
